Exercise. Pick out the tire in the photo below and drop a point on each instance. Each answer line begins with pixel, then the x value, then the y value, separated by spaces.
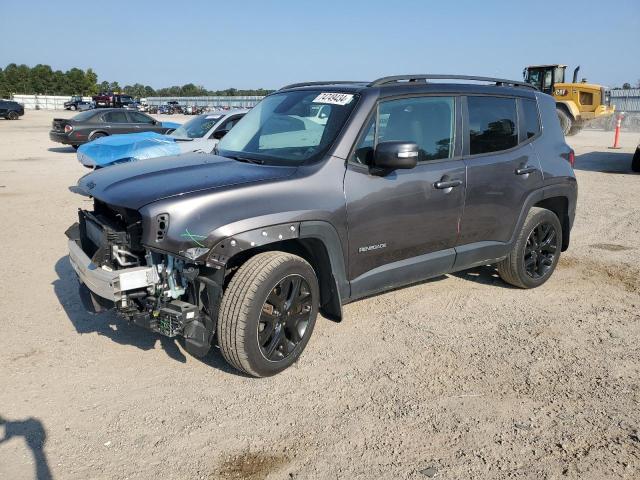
pixel 635 163
pixel 96 136
pixel 72 107
pixel 75 147
pixel 245 307
pixel 566 121
pixel 513 269
pixel 574 130
pixel 12 115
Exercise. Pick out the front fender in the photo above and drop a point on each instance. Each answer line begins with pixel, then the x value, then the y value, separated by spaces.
pixel 318 239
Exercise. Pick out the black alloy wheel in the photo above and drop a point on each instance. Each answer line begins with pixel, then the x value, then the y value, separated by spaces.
pixel 536 250
pixel 540 250
pixel 267 313
pixel 284 317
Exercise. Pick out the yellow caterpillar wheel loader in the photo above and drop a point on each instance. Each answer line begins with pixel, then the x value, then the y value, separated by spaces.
pixel 577 103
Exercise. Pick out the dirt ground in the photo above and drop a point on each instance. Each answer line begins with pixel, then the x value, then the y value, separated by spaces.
pixel 458 377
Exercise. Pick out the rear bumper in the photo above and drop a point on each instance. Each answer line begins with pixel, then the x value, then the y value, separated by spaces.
pixel 72 138
pixel 108 284
pixel 61 137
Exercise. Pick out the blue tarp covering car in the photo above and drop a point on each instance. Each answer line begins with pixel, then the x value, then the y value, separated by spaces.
pixel 199 134
pixel 124 148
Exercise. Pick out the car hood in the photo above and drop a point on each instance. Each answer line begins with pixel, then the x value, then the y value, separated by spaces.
pixel 133 185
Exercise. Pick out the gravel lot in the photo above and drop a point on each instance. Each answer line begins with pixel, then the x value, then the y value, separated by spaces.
pixel 458 377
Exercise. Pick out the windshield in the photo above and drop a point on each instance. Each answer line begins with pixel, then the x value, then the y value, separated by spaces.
pixel 289 127
pixel 196 127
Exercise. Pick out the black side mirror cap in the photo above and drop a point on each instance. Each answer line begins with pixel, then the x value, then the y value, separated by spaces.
pixel 396 155
pixel 219 134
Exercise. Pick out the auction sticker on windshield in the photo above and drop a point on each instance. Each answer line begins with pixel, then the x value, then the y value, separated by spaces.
pixel 334 98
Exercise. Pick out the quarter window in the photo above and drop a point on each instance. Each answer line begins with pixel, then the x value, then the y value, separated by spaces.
pixel 529 120
pixel 492 124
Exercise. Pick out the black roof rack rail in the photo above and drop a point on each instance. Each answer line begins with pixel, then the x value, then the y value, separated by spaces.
pixel 416 78
pixel 310 84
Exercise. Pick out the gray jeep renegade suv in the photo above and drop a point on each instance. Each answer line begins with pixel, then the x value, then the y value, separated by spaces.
pixel 325 193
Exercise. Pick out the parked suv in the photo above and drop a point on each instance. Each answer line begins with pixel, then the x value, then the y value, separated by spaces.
pixel 404 179
pixel 11 110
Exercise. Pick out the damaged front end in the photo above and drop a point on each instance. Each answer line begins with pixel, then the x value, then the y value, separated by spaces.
pixel 164 293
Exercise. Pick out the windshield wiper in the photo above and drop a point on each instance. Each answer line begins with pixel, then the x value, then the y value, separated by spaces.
pixel 247 160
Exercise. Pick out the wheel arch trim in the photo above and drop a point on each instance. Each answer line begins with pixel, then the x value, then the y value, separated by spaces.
pixel 318 240
pixel 566 191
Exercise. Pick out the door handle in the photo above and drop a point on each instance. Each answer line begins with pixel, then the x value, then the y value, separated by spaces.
pixel 443 185
pixel 525 170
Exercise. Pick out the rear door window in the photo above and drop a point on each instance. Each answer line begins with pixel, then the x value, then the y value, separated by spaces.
pixel 492 124
pixel 116 117
pixel 137 117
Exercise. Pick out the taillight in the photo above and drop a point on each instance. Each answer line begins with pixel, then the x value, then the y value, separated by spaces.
pixel 68 128
pixel 572 158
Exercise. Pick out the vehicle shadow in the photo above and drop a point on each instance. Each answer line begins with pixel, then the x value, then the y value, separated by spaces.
pixel 35 435
pixel 605 162
pixel 484 274
pixel 109 325
pixel 61 149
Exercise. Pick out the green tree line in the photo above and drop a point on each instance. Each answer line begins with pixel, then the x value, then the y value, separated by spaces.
pixel 43 80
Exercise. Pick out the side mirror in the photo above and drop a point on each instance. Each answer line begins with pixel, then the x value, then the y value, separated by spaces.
pixel 219 134
pixel 396 155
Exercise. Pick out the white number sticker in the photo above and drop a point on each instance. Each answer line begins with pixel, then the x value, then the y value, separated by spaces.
pixel 334 98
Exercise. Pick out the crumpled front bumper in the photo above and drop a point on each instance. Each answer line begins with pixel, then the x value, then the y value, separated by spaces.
pixel 108 284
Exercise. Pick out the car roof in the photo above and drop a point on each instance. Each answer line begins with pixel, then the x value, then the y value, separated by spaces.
pixel 428 83
pixel 226 112
pixel 408 89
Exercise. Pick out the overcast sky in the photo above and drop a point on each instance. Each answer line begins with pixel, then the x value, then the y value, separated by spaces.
pixel 252 44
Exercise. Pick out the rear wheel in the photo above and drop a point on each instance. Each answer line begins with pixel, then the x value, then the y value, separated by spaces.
pixel 536 251
pixel 97 135
pixel 566 122
pixel 267 313
pixel 75 147
pixel 12 115
pixel 635 163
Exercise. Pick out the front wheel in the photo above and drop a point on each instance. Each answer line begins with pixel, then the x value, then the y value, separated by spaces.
pixel 72 107
pixel 267 313
pixel 536 251
pixel 12 115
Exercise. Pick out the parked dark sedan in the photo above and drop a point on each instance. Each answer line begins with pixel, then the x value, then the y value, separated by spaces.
pixel 11 110
pixel 92 124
